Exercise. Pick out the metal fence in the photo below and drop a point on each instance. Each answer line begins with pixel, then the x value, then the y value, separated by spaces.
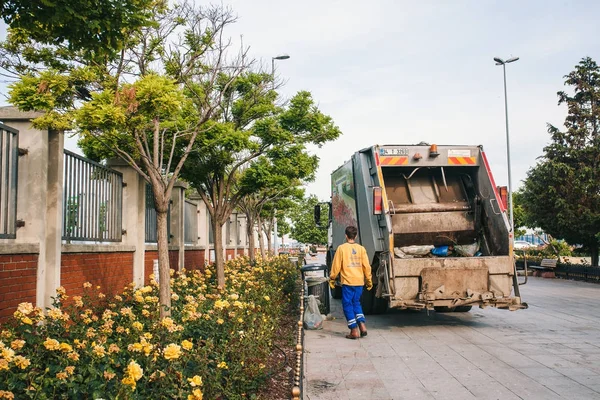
pixel 151 220
pixel 190 222
pixel 9 154
pixel 578 272
pixel 92 202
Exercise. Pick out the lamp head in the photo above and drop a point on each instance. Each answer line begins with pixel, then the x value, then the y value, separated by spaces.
pixel 499 61
pixel 513 59
pixel 281 57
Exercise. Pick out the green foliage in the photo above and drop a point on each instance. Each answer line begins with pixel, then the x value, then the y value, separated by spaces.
pixel 98 26
pixel 112 120
pixel 304 228
pixel 215 343
pixel 561 194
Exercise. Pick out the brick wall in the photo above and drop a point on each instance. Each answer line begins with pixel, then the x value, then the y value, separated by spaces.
pixel 229 254
pixel 149 257
pixel 18 275
pixel 194 260
pixel 240 252
pixel 174 259
pixel 111 271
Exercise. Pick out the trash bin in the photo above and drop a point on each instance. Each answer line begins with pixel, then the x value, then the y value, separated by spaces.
pixel 317 281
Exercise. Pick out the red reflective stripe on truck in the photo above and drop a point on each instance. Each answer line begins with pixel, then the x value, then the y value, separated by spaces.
pixel 462 160
pixel 489 172
pixel 394 160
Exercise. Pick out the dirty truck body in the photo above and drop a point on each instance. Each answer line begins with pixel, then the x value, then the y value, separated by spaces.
pixel 421 195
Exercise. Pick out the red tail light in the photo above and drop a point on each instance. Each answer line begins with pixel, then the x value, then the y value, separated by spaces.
pixel 377 201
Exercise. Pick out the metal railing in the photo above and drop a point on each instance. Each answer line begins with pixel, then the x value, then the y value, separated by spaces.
pixel 190 223
pixel 92 202
pixel 9 154
pixel 151 220
pixel 578 272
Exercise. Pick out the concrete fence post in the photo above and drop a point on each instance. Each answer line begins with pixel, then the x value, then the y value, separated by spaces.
pixel 39 198
pixel 177 220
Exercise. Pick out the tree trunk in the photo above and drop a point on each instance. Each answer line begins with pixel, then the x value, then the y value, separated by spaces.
pixel 219 258
pixel 594 251
pixel 250 233
pixel 164 273
pixel 269 241
pixel 261 239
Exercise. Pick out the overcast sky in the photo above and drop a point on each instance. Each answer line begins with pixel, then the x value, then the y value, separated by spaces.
pixel 402 72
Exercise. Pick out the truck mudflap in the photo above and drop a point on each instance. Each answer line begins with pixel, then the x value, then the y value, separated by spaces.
pixel 420 283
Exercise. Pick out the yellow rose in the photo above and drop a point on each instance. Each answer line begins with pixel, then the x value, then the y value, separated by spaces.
pixel 196 395
pixel 3 364
pixel 195 381
pixel 27 320
pixel 186 344
pixel 51 344
pixel 66 347
pixel 172 351
pixel 17 344
pixel 222 365
pixel 134 370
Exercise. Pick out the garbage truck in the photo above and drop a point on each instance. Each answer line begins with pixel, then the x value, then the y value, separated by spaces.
pixel 433 224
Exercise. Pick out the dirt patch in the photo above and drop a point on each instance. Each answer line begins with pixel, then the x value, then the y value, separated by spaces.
pixel 282 362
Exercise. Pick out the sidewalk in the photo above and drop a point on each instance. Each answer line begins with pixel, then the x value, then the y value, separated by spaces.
pixel 339 368
pixel 550 351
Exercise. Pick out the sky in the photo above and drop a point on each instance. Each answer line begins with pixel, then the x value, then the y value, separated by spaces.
pixel 402 72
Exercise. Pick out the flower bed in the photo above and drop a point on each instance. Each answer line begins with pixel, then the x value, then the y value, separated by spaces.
pixel 90 347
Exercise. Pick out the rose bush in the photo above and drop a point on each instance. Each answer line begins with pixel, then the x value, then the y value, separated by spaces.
pixel 116 347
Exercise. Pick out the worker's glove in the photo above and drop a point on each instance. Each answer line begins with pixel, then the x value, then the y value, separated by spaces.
pixel 369 284
pixel 332 283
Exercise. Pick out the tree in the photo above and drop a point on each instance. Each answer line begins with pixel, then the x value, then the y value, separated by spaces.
pixel 266 184
pixel 101 27
pixel 153 122
pixel 304 228
pixel 248 125
pixel 562 192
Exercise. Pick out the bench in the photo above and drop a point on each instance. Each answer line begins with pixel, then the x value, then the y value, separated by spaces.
pixel 545 269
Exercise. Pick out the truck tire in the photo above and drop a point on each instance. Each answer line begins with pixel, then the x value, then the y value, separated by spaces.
pixel 367 301
pixel 463 309
pixel 380 305
pixel 443 309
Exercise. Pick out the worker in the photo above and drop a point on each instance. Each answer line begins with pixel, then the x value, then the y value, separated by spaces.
pixel 352 262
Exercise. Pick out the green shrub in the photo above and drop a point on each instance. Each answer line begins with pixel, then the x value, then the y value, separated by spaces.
pixel 213 346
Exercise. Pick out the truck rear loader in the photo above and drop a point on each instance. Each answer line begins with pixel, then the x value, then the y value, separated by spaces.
pixel 433 224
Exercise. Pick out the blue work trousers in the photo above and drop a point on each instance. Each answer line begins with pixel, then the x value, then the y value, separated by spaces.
pixel 351 304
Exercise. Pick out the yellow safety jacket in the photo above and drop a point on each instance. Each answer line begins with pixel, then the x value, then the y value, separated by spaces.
pixel 352 261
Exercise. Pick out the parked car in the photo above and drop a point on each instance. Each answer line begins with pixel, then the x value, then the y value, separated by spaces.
pixel 522 245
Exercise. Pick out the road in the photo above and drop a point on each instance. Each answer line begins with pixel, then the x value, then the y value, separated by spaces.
pixel 550 351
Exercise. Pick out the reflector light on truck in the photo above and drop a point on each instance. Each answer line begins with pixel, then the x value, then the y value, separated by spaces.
pixel 377 201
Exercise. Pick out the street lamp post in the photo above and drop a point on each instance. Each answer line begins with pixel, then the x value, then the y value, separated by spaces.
pixel 281 57
pixel 275 233
pixel 499 61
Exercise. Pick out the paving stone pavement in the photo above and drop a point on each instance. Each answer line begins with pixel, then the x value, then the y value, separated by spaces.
pixel 549 351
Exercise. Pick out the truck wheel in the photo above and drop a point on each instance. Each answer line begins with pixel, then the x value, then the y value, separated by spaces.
pixel 336 293
pixel 443 309
pixel 463 308
pixel 367 301
pixel 380 305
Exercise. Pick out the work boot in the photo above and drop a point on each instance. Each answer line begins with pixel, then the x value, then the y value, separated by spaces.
pixel 354 334
pixel 363 329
